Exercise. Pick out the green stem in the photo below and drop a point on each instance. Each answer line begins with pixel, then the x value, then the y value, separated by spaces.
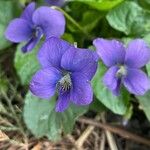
pixel 71 19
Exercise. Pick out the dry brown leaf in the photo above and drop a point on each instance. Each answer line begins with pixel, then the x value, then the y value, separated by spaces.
pixel 37 147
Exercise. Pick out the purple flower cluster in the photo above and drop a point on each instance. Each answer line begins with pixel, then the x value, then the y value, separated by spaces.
pixel 33 24
pixel 124 65
pixel 66 71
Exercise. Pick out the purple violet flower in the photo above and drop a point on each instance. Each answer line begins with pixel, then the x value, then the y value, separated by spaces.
pixel 55 2
pixel 67 71
pixel 33 24
pixel 124 65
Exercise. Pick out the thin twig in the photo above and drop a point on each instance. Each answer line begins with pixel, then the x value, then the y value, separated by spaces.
pixel 123 133
pixel 4 128
pixel 96 141
pixel 15 116
pixel 109 135
pixel 6 122
pixel 13 142
pixel 7 114
pixel 72 140
pixel 80 141
pixel 103 140
pixel 13 111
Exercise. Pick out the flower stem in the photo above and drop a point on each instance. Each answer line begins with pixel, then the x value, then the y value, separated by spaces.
pixel 71 19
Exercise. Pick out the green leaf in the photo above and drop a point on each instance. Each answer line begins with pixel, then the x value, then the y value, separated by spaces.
pixel 26 64
pixel 147 39
pixel 144 102
pixel 3 82
pixel 102 5
pixel 128 113
pixel 41 118
pixel 90 20
pixel 145 4
pixel 148 69
pixel 8 10
pixel 68 37
pixel 97 106
pixel 126 40
pixel 117 104
pixel 128 18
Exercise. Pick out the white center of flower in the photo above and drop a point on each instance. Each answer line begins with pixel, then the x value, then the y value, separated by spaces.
pixel 122 71
pixel 65 83
pixel 37 32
